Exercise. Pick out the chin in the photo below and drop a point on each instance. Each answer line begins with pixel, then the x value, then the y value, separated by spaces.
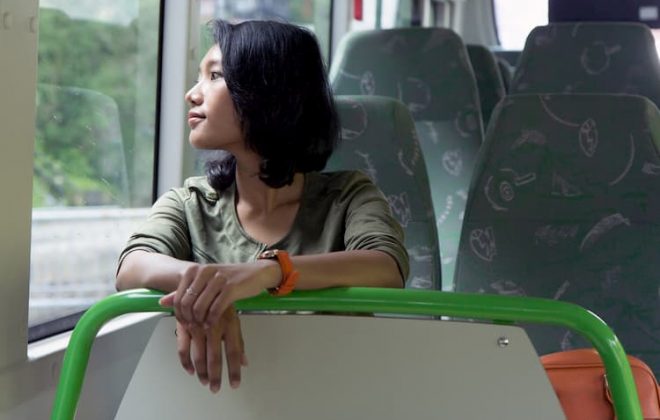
pixel 199 142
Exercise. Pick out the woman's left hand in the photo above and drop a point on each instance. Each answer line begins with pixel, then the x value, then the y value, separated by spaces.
pixel 200 350
pixel 205 291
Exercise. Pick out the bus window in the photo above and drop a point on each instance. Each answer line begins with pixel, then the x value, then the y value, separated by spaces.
pixel 656 35
pixel 94 148
pixel 312 14
pixel 386 14
pixel 515 19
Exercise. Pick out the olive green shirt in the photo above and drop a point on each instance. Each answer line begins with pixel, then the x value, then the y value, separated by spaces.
pixel 338 211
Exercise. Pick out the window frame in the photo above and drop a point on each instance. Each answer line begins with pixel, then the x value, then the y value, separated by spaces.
pixel 177 68
pixel 67 322
pixel 16 161
pixel 18 113
pixel 32 370
pixel 496 28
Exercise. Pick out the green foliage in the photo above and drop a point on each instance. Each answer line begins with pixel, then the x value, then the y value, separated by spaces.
pixel 91 135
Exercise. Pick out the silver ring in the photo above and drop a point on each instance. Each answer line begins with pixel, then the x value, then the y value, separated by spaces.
pixel 191 292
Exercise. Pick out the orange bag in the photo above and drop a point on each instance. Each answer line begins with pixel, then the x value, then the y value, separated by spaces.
pixel 578 377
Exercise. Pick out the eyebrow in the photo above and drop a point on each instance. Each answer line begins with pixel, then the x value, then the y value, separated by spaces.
pixel 209 63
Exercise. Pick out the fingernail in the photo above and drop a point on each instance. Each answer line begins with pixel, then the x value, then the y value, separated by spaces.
pixel 215 388
pixel 234 383
pixel 190 371
pixel 204 381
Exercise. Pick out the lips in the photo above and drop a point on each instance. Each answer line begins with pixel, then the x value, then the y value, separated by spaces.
pixel 195 118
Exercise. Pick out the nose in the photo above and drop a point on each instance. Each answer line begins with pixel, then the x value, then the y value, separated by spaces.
pixel 193 96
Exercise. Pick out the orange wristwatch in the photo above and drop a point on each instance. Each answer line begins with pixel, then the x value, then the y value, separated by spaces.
pixel 289 274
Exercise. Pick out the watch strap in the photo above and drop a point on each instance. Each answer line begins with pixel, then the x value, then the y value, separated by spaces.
pixel 289 273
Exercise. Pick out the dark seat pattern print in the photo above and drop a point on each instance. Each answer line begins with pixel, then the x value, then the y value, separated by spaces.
pixel 589 57
pixel 428 70
pixel 565 204
pixel 489 80
pixel 379 138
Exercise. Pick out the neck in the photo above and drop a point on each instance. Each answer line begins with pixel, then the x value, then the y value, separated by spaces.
pixel 258 196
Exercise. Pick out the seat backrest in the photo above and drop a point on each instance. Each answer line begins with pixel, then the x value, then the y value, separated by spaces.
pixel 589 57
pixel 506 71
pixel 340 367
pixel 565 204
pixel 428 70
pixel 489 79
pixel 379 138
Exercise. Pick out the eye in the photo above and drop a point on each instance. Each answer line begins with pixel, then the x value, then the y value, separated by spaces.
pixel 215 75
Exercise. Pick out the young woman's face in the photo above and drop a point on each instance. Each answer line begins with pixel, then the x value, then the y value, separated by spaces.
pixel 212 117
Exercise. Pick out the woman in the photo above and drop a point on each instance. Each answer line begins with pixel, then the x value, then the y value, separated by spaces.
pixel 263 98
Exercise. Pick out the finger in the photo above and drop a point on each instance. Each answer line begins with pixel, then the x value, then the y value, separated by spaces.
pixel 183 348
pixel 187 278
pixel 195 291
pixel 167 300
pixel 244 359
pixel 233 351
pixel 221 303
pixel 214 357
pixel 201 306
pixel 199 354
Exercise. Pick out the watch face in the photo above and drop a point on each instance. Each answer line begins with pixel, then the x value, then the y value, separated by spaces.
pixel 271 253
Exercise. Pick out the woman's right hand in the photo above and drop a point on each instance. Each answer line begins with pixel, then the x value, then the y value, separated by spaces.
pixel 200 349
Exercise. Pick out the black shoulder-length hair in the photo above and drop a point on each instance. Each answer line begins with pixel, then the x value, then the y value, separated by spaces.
pixel 278 84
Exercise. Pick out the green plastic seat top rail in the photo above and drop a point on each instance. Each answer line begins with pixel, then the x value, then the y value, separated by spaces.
pixel 368 300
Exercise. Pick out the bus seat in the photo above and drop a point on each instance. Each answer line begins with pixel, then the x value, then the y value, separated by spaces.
pixel 332 367
pixel 428 70
pixel 565 204
pixel 489 79
pixel 379 138
pixel 506 71
pixel 589 57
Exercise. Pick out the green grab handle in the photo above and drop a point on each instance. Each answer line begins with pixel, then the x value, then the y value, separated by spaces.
pixel 368 300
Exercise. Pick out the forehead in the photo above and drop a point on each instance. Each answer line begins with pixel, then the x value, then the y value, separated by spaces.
pixel 212 56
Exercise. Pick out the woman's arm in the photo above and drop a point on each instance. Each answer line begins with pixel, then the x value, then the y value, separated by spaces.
pixel 206 291
pixel 361 268
pixel 346 268
pixel 151 270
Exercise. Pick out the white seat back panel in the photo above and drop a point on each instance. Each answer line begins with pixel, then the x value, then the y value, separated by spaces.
pixel 334 367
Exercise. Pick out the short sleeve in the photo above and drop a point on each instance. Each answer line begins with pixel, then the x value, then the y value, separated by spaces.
pixel 165 230
pixel 370 224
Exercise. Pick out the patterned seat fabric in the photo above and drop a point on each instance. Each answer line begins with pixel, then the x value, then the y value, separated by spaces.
pixel 379 138
pixel 428 70
pixel 565 204
pixel 488 77
pixel 589 57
